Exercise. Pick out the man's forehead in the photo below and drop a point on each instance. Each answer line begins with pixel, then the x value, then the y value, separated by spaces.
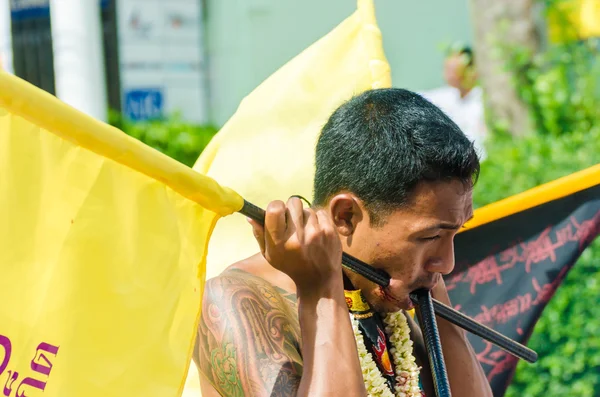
pixel 454 193
pixel 444 201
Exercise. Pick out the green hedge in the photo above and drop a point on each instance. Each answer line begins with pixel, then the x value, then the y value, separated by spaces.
pixel 567 337
pixel 172 136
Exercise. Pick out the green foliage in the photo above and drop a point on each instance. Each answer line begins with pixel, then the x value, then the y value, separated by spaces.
pixel 560 88
pixel 560 85
pixel 182 141
pixel 514 165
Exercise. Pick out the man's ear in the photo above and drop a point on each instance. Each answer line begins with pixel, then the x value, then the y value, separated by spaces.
pixel 346 211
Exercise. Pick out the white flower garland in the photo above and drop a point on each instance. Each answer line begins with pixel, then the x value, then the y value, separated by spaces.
pixel 407 371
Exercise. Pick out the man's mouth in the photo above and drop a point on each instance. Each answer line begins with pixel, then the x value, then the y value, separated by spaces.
pixel 406 303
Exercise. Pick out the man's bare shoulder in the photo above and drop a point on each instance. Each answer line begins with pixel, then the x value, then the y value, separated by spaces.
pixel 236 284
pixel 248 336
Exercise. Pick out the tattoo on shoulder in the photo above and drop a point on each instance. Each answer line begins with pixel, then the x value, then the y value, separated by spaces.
pixel 287 295
pixel 248 337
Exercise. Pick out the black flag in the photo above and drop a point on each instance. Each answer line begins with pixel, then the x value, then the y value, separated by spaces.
pixel 514 255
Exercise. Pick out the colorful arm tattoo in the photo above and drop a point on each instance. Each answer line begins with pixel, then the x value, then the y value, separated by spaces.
pixel 248 337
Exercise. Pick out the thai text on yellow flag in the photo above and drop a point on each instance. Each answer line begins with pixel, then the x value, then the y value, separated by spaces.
pixel 102 252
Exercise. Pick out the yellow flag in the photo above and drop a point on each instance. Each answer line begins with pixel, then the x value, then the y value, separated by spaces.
pixel 102 252
pixel 266 150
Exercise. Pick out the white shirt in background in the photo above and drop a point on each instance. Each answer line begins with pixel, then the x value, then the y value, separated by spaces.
pixel 466 112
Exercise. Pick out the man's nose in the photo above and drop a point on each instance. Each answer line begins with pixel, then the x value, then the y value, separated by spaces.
pixel 443 259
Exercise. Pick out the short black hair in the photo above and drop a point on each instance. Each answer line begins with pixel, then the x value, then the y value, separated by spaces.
pixel 380 144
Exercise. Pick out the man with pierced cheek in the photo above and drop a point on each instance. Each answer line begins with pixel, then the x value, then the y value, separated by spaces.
pixel 392 187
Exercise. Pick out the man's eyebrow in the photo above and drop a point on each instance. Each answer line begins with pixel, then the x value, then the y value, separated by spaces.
pixel 446 225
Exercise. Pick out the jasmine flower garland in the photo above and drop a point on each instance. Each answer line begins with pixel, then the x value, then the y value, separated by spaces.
pixel 405 367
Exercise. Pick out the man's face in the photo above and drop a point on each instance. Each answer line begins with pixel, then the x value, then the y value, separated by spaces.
pixel 415 246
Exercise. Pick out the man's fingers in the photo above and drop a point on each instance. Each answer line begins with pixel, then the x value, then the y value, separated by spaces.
pixel 259 233
pixel 296 211
pixel 310 218
pixel 325 222
pixel 275 223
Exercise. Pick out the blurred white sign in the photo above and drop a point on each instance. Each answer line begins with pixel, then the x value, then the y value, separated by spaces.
pixel 161 61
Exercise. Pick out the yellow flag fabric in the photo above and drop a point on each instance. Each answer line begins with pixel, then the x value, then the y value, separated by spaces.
pixel 266 150
pixel 102 253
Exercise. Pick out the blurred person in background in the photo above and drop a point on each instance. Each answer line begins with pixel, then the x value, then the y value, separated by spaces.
pixel 462 98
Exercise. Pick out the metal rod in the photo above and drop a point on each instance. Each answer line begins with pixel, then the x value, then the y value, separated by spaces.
pixel 493 336
pixel 426 316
